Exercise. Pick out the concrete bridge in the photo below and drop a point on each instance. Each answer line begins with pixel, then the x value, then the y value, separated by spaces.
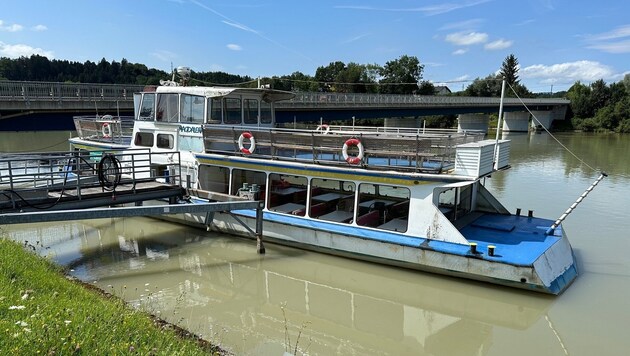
pixel 37 101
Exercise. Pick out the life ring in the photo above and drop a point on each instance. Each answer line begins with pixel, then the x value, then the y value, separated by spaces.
pixel 323 128
pixel 106 130
pixel 252 143
pixel 352 142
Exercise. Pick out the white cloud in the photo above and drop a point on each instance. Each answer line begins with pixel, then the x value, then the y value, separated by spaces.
pixel 462 25
pixel 430 10
pixel 39 28
pixel 616 47
pixel 19 50
pixel 239 26
pixel 498 44
pixel 467 39
pixel 615 41
pixel 234 47
pixel 619 32
pixel 10 28
pixel 460 51
pixel 586 71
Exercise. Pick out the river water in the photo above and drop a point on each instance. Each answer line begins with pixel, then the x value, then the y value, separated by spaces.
pixel 218 287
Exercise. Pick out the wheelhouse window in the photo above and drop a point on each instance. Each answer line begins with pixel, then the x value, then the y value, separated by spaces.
pixel 250 111
pixel 214 179
pixel 147 108
pixel 192 108
pixel 167 108
pixel 143 139
pixel 190 143
pixel 232 111
pixel 287 194
pixel 455 202
pixel 215 112
pixel 165 141
pixel 383 207
pixel 266 114
pixel 332 200
pixel 243 183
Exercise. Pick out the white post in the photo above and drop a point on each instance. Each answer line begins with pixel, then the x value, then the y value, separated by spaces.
pixel 496 143
pixel 353 123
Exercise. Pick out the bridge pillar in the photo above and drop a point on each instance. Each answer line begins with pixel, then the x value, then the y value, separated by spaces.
pixel 516 121
pixel 544 117
pixel 473 122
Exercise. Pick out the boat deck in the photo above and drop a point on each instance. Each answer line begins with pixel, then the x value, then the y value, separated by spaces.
pixel 380 148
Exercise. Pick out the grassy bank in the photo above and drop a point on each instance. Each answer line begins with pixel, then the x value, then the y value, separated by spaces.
pixel 43 312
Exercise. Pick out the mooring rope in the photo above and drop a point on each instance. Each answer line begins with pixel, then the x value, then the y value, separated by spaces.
pixel 550 134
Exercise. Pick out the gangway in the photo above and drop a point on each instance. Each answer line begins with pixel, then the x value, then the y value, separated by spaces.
pixel 62 186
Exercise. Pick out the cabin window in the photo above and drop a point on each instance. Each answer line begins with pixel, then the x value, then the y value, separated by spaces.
pixel 242 179
pixel 250 111
pixel 455 202
pixel 143 139
pixel 192 108
pixel 216 111
pixel 332 200
pixel 214 179
pixel 233 111
pixel 190 143
pixel 147 107
pixel 287 194
pixel 266 114
pixel 383 207
pixel 165 141
pixel 167 108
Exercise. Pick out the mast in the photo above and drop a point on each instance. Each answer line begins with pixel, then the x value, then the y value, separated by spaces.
pixel 496 143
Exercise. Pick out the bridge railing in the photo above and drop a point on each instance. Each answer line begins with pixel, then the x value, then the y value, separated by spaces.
pixel 310 99
pixel 50 91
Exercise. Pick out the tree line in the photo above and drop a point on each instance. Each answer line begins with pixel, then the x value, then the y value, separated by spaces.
pixel 595 107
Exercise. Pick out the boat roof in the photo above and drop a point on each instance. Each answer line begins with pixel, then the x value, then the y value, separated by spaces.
pixel 268 95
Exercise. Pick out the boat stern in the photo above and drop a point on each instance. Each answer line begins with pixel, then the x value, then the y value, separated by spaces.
pixel 557 267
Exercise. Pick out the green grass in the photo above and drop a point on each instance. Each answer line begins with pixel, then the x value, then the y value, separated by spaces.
pixel 43 312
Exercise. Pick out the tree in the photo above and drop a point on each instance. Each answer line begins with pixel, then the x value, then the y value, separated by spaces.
pixel 580 94
pixel 401 76
pixel 327 76
pixel 488 86
pixel 509 70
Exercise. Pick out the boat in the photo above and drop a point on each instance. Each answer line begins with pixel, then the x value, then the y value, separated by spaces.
pixel 406 197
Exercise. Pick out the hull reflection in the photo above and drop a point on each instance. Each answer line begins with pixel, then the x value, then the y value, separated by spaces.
pixel 217 286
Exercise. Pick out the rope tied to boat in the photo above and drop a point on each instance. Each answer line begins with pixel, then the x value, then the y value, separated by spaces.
pixel 553 227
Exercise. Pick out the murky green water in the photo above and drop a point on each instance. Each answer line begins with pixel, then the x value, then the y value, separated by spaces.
pixel 217 285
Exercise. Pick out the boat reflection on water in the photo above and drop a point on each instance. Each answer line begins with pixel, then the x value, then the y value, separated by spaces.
pixel 218 287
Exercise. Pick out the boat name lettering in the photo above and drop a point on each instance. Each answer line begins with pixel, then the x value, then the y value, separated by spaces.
pixel 193 129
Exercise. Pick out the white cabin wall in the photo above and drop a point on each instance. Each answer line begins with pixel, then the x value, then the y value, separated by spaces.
pixel 423 213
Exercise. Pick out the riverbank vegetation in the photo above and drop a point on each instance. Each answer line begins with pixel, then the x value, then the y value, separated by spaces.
pixel 43 312
pixel 597 106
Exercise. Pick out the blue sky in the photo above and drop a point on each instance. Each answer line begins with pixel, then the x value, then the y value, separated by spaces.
pixel 556 41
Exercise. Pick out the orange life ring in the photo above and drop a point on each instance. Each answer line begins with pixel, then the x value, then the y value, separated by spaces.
pixel 252 143
pixel 106 130
pixel 352 142
pixel 323 128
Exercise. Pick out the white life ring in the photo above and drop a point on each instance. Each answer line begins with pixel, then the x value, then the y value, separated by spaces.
pixel 323 128
pixel 252 143
pixel 352 142
pixel 106 130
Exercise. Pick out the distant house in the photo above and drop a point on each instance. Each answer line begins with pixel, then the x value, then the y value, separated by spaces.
pixel 442 90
